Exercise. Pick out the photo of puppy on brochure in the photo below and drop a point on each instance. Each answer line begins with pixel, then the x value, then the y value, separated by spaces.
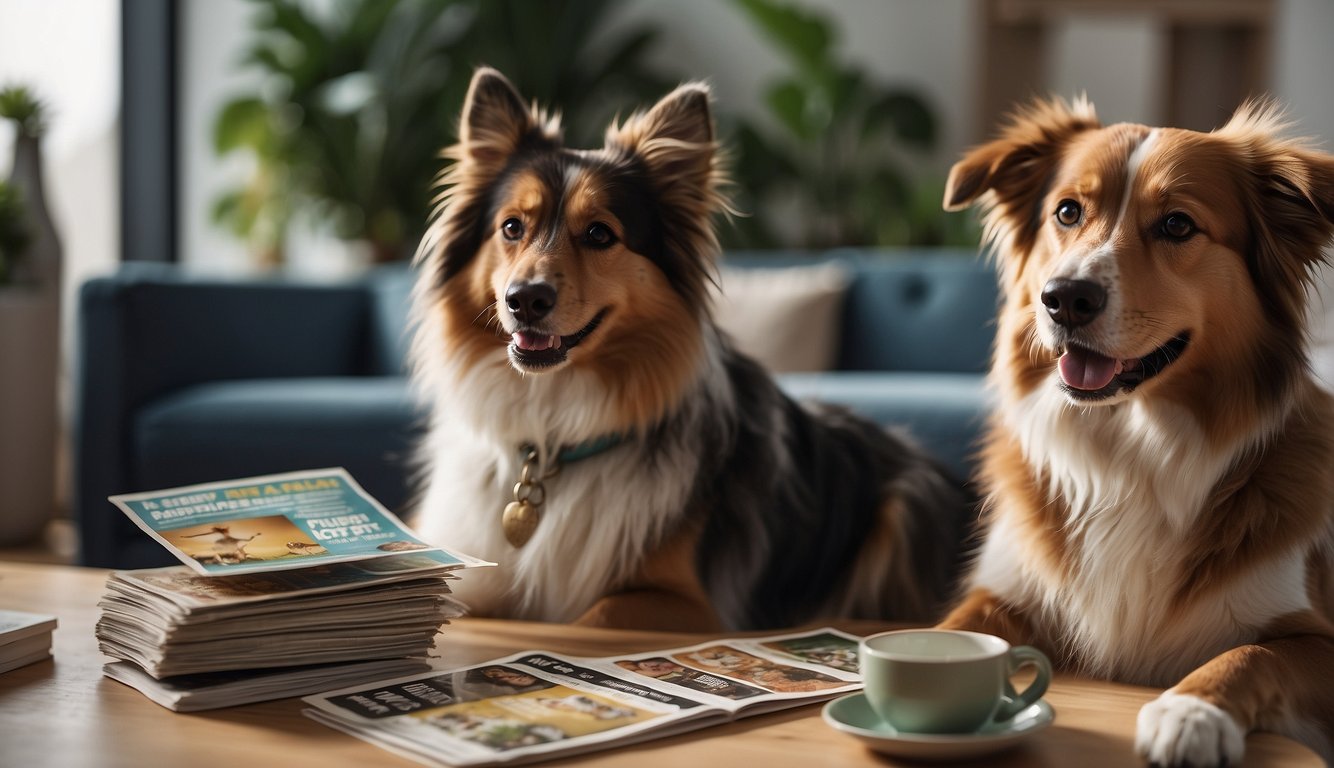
pixel 493 381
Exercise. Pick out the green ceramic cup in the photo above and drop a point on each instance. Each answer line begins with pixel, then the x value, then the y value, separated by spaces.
pixel 947 681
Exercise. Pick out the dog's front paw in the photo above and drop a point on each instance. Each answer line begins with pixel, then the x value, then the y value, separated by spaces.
pixel 1178 730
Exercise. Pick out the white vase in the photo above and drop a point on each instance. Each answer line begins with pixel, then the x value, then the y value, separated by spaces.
pixel 29 363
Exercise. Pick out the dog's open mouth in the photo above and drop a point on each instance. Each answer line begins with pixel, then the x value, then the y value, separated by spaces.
pixel 535 350
pixel 1089 375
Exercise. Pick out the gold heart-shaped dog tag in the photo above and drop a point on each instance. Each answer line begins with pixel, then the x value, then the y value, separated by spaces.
pixel 520 522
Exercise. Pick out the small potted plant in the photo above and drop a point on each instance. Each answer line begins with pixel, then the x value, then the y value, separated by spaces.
pixel 14 235
pixel 41 267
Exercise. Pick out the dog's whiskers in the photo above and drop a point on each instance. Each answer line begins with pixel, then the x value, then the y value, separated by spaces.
pixel 494 316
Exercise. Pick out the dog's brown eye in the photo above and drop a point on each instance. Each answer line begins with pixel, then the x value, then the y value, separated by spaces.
pixel 1068 213
pixel 599 235
pixel 1178 226
pixel 512 229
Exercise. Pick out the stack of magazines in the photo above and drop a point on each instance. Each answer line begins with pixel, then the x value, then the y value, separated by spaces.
pixel 305 584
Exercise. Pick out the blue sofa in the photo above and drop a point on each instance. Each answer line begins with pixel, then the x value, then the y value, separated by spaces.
pixel 184 379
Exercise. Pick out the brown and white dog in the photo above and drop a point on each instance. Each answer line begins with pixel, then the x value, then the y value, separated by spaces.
pixel 1160 469
pixel 564 322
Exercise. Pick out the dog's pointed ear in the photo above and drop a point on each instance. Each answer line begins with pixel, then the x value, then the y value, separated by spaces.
pixel 675 143
pixel 675 137
pixel 1299 198
pixel 494 119
pixel 1293 222
pixel 1026 145
pixel 1294 183
pixel 971 176
pixel 1009 175
pixel 1290 193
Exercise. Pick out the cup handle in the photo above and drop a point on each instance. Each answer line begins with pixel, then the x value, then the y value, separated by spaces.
pixel 1020 657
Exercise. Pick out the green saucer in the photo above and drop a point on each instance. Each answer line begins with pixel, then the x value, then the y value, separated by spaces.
pixel 853 715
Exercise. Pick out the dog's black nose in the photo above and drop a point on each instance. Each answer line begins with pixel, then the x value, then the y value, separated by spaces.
pixel 1073 303
pixel 530 302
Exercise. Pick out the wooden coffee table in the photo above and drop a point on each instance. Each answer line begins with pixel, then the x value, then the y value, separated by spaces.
pixel 63 713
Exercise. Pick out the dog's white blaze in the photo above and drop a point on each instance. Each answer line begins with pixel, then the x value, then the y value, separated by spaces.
pixel 1136 478
pixel 599 517
pixel 1100 265
pixel 1133 164
pixel 1103 264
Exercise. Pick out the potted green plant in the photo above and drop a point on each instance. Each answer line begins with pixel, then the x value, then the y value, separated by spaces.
pixel 42 266
pixel 360 97
pixel 29 329
pixel 829 166
pixel 14 234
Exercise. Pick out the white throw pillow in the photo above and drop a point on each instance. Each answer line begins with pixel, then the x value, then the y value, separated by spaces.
pixel 787 318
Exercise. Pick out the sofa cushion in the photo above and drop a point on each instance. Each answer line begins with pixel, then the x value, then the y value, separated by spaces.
pixel 235 429
pixel 944 413
pixel 933 314
pixel 787 318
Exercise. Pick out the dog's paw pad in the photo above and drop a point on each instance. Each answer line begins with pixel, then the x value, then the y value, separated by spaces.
pixel 1177 729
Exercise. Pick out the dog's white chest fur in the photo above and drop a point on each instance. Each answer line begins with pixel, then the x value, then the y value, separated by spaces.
pixel 1136 478
pixel 599 516
pixel 592 524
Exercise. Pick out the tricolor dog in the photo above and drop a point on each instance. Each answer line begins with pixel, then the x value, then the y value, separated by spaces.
pixel 595 434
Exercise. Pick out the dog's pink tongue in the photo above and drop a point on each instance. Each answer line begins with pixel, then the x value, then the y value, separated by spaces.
pixel 534 342
pixel 1084 369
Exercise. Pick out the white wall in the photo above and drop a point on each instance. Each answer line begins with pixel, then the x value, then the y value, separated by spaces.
pixel 212 38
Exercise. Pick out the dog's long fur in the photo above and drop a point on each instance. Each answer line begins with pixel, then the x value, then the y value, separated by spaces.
pixel 723 503
pixel 1174 525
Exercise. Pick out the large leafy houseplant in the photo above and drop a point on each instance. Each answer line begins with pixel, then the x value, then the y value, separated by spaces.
pixel 828 167
pixel 360 96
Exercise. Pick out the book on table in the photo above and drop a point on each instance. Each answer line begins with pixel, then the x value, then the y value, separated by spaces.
pixel 292 583
pixel 25 638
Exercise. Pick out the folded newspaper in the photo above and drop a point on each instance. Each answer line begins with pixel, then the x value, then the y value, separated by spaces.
pixel 537 705
pixel 293 584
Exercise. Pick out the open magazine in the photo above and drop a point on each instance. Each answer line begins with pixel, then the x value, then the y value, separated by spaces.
pixel 536 705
